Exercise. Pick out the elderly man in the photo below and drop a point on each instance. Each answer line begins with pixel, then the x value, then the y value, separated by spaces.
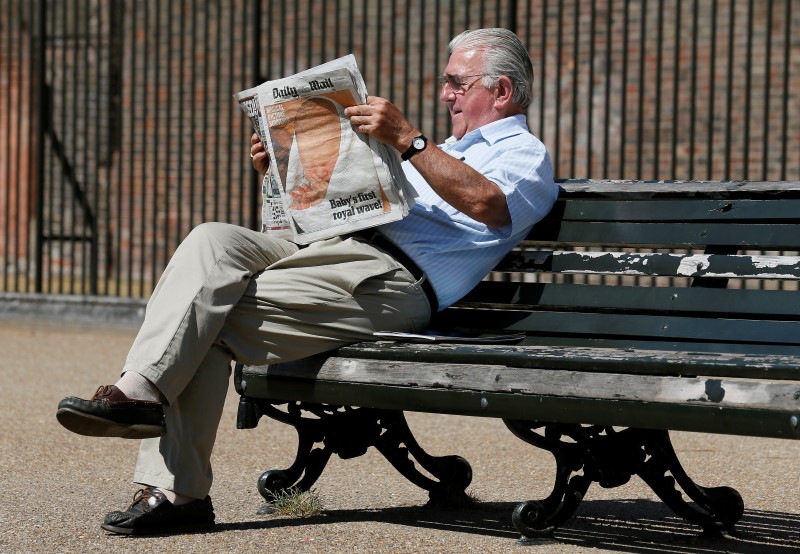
pixel 231 293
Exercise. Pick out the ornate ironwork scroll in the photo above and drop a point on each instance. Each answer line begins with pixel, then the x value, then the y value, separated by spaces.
pixel 611 457
pixel 324 430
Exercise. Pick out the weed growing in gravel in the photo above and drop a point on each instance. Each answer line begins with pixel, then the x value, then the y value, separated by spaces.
pixel 296 503
pixel 473 498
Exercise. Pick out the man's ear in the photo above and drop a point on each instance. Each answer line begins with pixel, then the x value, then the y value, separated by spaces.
pixel 503 93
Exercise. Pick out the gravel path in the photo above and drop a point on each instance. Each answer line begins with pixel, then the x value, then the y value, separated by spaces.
pixel 57 486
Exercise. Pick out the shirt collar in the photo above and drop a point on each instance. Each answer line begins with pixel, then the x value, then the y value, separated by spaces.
pixel 491 132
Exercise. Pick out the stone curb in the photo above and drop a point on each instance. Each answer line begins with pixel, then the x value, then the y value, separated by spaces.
pixel 72 308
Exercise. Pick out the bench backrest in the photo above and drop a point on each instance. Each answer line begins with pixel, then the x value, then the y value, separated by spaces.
pixel 711 267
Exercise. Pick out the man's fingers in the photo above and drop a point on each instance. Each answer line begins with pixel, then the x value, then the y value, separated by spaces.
pixel 257 149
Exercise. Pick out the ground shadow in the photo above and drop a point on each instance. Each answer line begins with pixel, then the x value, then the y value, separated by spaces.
pixel 617 525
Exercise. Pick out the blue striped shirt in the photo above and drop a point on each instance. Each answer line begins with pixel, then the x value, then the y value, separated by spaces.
pixel 454 250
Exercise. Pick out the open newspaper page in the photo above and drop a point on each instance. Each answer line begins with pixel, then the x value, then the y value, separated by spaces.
pixel 273 215
pixel 332 179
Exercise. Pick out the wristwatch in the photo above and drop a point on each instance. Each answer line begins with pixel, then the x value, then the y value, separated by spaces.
pixel 417 145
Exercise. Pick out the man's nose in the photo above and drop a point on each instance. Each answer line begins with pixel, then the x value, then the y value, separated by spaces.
pixel 446 94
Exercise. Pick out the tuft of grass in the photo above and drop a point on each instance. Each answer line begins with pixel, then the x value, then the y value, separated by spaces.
pixel 473 498
pixel 296 503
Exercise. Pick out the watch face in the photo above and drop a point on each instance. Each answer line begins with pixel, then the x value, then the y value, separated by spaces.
pixel 419 143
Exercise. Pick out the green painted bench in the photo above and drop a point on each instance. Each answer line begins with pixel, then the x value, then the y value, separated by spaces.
pixel 641 308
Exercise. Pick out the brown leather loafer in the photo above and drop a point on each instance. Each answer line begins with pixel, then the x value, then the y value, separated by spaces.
pixel 109 413
pixel 151 514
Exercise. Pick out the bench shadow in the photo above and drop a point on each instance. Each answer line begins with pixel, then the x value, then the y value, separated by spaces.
pixel 614 525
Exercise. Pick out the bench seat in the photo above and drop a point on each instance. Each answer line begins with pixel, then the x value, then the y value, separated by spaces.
pixel 554 384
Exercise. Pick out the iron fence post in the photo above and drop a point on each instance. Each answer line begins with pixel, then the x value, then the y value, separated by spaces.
pixel 255 196
pixel 39 61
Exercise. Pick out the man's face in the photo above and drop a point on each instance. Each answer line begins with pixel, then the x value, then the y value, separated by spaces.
pixel 473 106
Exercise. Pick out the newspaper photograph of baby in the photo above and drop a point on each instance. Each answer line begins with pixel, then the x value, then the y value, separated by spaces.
pixel 329 173
pixel 332 180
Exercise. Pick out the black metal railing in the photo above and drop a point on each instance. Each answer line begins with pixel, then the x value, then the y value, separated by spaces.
pixel 118 131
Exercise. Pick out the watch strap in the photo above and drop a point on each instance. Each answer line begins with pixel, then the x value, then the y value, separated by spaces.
pixel 405 156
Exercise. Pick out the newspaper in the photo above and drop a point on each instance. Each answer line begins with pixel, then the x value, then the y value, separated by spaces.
pixel 273 216
pixel 331 179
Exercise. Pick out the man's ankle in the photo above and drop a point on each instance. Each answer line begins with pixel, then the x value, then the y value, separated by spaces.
pixel 175 498
pixel 137 387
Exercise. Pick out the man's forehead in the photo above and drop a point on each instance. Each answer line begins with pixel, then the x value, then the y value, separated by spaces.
pixel 462 59
pixel 467 54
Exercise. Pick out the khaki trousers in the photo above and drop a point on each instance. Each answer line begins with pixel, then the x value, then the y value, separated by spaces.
pixel 230 293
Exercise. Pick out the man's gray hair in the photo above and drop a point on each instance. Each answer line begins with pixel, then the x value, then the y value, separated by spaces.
pixel 504 55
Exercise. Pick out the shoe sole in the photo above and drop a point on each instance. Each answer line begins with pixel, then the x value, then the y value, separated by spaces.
pixel 93 426
pixel 188 528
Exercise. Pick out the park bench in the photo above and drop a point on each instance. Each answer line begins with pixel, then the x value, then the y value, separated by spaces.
pixel 642 307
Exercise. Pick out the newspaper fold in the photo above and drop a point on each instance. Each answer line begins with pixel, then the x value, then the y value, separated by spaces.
pixel 329 179
pixel 273 215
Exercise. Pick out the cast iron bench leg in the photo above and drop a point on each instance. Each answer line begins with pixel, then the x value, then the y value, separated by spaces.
pixel 454 473
pixel 349 432
pixel 610 458
pixel 715 509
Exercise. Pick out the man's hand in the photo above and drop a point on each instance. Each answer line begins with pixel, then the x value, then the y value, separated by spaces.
pixel 382 120
pixel 259 155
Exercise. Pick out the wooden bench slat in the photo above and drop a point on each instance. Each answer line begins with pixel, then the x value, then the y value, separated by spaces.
pixel 677 210
pixel 654 264
pixel 688 235
pixel 718 405
pixel 746 302
pixel 628 325
pixel 674 345
pixel 609 359
pixel 644 190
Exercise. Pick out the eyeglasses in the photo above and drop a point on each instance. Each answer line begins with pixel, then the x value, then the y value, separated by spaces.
pixel 456 82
